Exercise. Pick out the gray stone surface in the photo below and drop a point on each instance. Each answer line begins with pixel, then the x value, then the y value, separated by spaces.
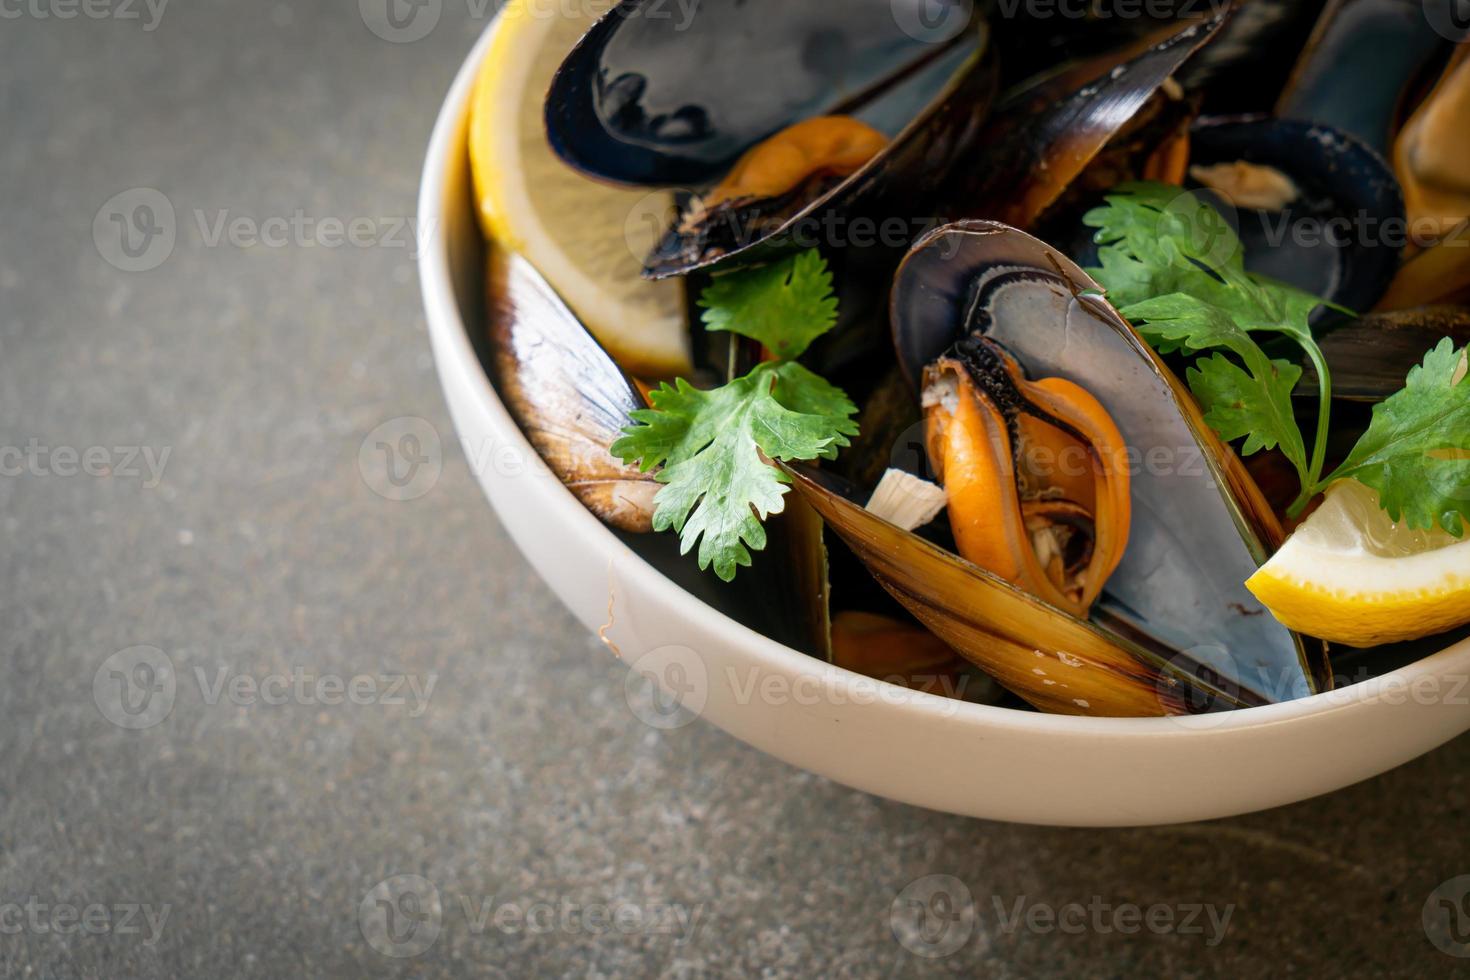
pixel 261 827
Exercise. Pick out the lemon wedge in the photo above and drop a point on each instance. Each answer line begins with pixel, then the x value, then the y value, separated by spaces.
pixel 1349 574
pixel 587 239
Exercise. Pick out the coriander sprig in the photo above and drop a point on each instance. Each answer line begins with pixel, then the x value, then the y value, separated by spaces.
pixel 1175 268
pixel 715 446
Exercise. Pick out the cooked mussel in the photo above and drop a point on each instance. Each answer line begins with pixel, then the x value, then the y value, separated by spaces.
pixel 566 393
pixel 1156 549
pixel 1034 472
pixel 775 115
pixel 1057 662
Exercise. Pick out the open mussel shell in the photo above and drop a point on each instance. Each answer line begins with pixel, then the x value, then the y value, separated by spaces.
pixel 648 98
pixel 1341 238
pixel 1056 662
pixel 568 396
pixel 571 401
pixel 1200 527
pixel 1045 133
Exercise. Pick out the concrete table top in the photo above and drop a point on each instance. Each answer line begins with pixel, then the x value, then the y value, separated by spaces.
pixel 258 720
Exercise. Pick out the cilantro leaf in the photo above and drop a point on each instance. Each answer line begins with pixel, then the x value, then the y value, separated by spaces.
pixel 1416 452
pixel 716 446
pixel 785 305
pixel 1158 239
pixel 1251 405
pixel 1253 402
pixel 711 443
pixel 1176 268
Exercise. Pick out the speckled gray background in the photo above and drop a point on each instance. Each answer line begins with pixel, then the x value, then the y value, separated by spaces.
pixel 261 828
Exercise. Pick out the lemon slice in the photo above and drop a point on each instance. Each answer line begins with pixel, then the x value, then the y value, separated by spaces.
pixel 1351 575
pixel 586 238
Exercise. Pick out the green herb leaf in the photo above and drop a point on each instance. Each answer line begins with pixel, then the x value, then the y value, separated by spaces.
pixel 785 305
pixel 710 445
pixel 1175 267
pixel 1252 405
pixel 1157 239
pixel 1416 452
pixel 1251 402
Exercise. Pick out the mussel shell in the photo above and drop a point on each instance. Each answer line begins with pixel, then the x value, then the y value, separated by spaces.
pixel 1058 663
pixel 1362 58
pixel 1245 66
pixel 1340 240
pixel 1200 526
pixel 1043 134
pixel 651 95
pixel 1371 356
pixel 571 401
pixel 652 101
pixel 568 396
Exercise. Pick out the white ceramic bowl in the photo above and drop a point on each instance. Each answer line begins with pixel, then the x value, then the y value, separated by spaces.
pixel 963 758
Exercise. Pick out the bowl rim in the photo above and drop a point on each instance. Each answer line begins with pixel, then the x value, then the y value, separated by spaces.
pixel 446 326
